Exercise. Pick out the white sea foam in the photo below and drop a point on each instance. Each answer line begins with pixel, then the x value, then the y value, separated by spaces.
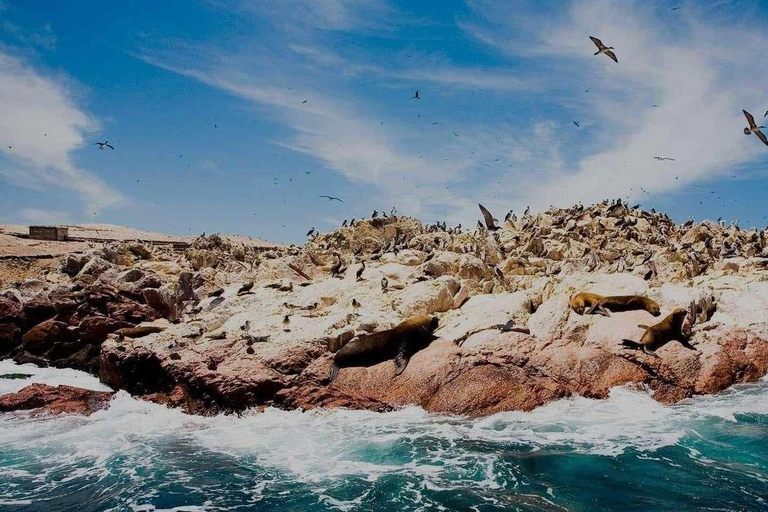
pixel 320 447
pixel 50 376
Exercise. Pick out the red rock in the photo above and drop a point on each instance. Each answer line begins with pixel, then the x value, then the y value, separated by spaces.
pixel 95 329
pixel 43 336
pixel 39 309
pixel 56 400
pixel 11 311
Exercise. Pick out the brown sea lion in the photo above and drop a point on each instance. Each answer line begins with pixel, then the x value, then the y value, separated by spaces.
pixel 670 328
pixel 618 303
pixel 587 302
pixel 140 331
pixel 398 343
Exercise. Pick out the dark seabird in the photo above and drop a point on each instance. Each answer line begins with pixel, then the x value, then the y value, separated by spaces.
pixel 245 288
pixel 102 145
pixel 384 284
pixel 355 305
pixel 359 274
pixel 490 222
pixel 508 216
pixel 344 224
pixel 601 48
pixel 577 124
pixel 304 101
pixel 287 322
pixel 416 95
pixel 374 214
pixel 331 198
pixel 216 293
pixel 311 231
pixel 753 128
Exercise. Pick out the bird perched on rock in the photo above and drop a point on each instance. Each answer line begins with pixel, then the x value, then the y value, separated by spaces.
pixel 355 305
pixel 287 322
pixel 359 275
pixel 216 293
pixel 344 224
pixel 374 214
pixel 311 231
pixel 246 326
pixel 384 284
pixel 246 288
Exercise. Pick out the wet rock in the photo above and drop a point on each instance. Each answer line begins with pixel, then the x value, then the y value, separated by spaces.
pixel 41 338
pixel 44 399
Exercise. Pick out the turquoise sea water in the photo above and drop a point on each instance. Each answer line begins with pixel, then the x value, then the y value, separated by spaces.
pixel 624 453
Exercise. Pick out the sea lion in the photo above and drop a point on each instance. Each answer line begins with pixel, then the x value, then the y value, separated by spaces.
pixel 670 328
pixel 618 303
pixel 398 343
pixel 140 331
pixel 588 302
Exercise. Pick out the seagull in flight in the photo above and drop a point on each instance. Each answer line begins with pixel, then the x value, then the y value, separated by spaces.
pixel 753 128
pixel 331 198
pixel 490 222
pixel 103 145
pixel 577 124
pixel 662 158
pixel 766 114
pixel 601 48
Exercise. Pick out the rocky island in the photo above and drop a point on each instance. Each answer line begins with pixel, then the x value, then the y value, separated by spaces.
pixel 221 324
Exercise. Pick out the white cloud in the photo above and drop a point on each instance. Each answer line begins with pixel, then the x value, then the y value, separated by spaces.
pixel 345 139
pixel 37 216
pixel 40 127
pixel 686 72
pixel 340 15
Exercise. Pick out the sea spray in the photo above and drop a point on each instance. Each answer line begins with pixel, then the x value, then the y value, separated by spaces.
pixel 142 456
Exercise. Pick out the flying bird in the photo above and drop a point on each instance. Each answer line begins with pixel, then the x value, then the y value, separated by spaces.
pixel 577 124
pixel 753 128
pixel 331 198
pixel 103 145
pixel 601 48
pixel 304 101
pixel 416 95
pixel 766 114
pixel 490 222
pixel 662 158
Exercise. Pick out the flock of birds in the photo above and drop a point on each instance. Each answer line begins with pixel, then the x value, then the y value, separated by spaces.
pixel 752 129
pixel 609 51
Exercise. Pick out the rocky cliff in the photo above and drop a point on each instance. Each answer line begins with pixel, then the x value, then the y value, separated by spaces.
pixel 224 326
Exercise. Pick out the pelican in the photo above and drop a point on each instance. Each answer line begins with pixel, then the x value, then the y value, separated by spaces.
pixel 753 128
pixel 601 48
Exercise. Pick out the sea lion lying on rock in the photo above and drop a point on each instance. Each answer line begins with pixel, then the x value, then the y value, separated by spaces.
pixel 398 343
pixel 588 303
pixel 670 328
pixel 139 331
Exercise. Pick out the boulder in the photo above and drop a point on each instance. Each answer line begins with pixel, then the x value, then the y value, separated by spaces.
pixel 44 399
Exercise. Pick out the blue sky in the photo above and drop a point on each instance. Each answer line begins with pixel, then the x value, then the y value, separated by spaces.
pixel 205 105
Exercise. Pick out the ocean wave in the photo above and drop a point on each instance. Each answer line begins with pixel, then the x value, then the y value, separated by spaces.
pixel 324 450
